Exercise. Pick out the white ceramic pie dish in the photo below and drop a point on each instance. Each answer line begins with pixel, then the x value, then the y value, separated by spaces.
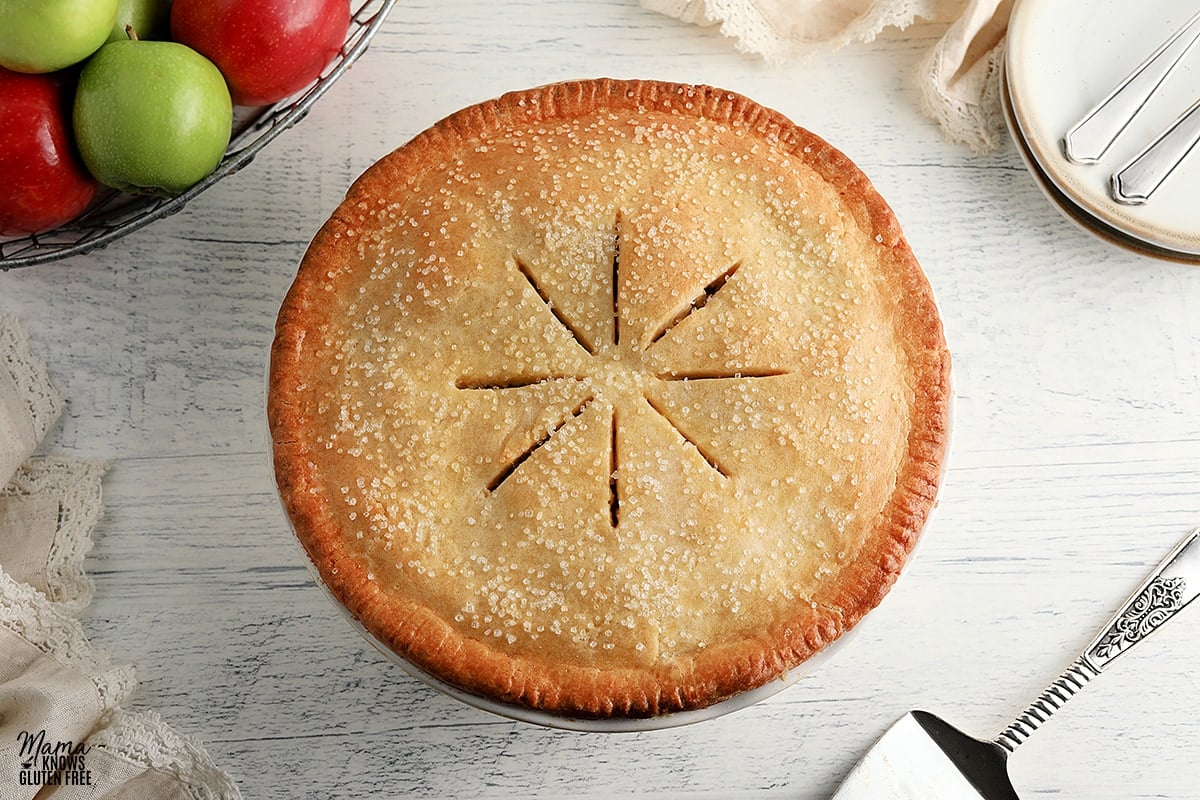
pixel 1064 56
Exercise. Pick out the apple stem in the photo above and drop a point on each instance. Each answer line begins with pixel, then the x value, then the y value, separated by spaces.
pixel 131 33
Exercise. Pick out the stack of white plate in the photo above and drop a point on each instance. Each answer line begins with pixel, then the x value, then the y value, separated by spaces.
pixel 1065 56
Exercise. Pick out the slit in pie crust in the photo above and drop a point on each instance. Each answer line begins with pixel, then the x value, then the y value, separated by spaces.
pixel 609 398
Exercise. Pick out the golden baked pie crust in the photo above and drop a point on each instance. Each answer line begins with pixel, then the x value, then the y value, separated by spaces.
pixel 622 515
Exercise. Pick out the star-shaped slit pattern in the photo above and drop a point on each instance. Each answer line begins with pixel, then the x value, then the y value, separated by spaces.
pixel 602 352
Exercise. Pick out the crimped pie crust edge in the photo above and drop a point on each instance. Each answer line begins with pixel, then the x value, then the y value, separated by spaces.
pixel 415 633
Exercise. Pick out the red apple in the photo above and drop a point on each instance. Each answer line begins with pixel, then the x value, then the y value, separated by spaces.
pixel 266 49
pixel 42 181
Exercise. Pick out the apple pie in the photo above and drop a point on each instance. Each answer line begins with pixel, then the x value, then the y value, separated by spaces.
pixel 609 398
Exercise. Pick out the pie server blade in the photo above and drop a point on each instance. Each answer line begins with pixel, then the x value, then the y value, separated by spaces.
pixel 908 763
pixel 922 757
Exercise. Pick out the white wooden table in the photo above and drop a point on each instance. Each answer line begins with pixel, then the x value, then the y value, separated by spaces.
pixel 1075 465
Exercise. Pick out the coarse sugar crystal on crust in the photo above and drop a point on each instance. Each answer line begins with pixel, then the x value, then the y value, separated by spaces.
pixel 609 398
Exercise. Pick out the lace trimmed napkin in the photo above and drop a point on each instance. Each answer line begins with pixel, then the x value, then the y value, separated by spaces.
pixel 959 79
pixel 63 733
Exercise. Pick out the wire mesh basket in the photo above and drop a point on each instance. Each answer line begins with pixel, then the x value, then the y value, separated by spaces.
pixel 115 214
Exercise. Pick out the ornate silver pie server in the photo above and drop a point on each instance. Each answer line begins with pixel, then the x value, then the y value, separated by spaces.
pixel 922 757
pixel 1090 138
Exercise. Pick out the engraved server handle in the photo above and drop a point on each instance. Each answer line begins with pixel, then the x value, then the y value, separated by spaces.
pixel 1173 584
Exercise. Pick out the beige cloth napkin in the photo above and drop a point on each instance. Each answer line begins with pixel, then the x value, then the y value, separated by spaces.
pixel 63 732
pixel 959 79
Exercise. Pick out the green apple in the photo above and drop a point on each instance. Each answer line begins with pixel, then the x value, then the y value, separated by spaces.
pixel 149 19
pixel 151 117
pixel 47 35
